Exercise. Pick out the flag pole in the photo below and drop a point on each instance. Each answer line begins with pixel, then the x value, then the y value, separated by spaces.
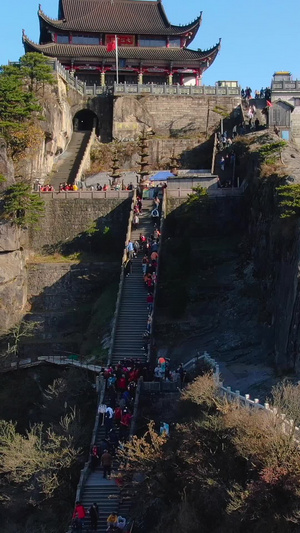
pixel 117 59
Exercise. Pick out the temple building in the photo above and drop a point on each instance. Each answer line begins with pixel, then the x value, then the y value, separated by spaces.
pixel 150 48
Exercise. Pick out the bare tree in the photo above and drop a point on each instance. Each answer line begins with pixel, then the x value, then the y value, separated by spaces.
pixel 17 334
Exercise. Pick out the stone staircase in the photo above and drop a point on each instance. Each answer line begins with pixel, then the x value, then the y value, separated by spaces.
pixel 68 163
pixel 260 104
pixel 104 492
pixel 132 318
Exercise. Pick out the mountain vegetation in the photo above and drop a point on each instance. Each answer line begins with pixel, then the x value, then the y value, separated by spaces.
pixel 224 467
pixel 21 89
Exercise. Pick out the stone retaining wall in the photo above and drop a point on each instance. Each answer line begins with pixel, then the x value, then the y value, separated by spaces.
pixel 169 116
pixel 64 220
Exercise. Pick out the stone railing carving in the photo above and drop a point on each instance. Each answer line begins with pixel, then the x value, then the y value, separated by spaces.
pixel 175 90
pixel 286 85
pixel 85 194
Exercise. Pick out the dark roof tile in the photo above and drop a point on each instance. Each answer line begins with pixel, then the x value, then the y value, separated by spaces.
pixel 166 54
pixel 118 16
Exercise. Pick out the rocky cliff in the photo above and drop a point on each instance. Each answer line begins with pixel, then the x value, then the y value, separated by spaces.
pixel 56 131
pixel 13 275
pixel 275 251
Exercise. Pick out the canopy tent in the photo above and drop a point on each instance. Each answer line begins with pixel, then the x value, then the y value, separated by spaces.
pixel 163 175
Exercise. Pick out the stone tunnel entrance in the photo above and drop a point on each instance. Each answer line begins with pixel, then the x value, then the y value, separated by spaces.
pixel 85 120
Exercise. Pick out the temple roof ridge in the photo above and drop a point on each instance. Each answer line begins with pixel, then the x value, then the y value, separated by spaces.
pixel 54 49
pixel 217 45
pixel 118 16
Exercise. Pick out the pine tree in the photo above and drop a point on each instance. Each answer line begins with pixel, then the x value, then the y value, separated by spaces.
pixel 16 105
pixel 22 206
pixel 36 67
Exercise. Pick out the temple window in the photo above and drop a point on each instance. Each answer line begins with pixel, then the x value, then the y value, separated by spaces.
pixel 174 42
pixel 62 39
pixel 153 42
pixel 85 39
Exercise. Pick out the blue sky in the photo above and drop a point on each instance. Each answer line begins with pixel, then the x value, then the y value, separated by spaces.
pixel 257 38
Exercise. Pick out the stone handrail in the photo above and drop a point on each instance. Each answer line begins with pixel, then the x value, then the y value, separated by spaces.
pixel 135 408
pixel 214 153
pixel 160 386
pixel 85 161
pixel 121 282
pixel 163 215
pixel 288 426
pixel 175 90
pixel 53 359
pixel 285 85
pixel 214 192
pixel 86 470
pixel 84 194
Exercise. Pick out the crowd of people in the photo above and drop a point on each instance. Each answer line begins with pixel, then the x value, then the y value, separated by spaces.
pixel 121 379
pixel 263 93
pixel 114 522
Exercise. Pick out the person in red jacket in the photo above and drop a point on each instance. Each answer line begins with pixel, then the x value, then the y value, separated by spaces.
pixel 79 515
pixel 122 383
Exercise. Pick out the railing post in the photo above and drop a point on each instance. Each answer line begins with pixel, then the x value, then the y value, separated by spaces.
pixel 178 89
pixel 151 88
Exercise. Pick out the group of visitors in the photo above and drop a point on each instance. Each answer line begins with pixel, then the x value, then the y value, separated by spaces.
pixel 224 141
pixel 163 371
pixel 67 187
pixel 246 93
pixel 114 522
pixel 46 188
pixel 263 93
pixel 99 187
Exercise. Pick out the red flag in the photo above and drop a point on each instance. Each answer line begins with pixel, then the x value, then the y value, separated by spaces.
pixel 269 104
pixel 111 46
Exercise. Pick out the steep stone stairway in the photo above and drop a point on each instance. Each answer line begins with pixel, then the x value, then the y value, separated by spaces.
pixel 132 319
pixel 260 104
pixel 104 492
pixel 69 161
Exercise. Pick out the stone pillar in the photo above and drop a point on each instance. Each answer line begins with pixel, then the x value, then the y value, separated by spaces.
pixel 72 72
pixel 140 77
pixel 102 78
pixel 170 78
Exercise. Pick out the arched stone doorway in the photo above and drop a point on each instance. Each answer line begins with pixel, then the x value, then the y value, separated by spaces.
pixel 85 120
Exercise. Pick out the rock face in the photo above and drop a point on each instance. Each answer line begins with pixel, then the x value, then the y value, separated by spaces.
pixel 6 166
pixel 10 237
pixel 57 127
pixel 275 251
pixel 13 276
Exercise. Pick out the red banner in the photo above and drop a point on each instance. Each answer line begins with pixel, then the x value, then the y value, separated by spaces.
pixel 123 40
